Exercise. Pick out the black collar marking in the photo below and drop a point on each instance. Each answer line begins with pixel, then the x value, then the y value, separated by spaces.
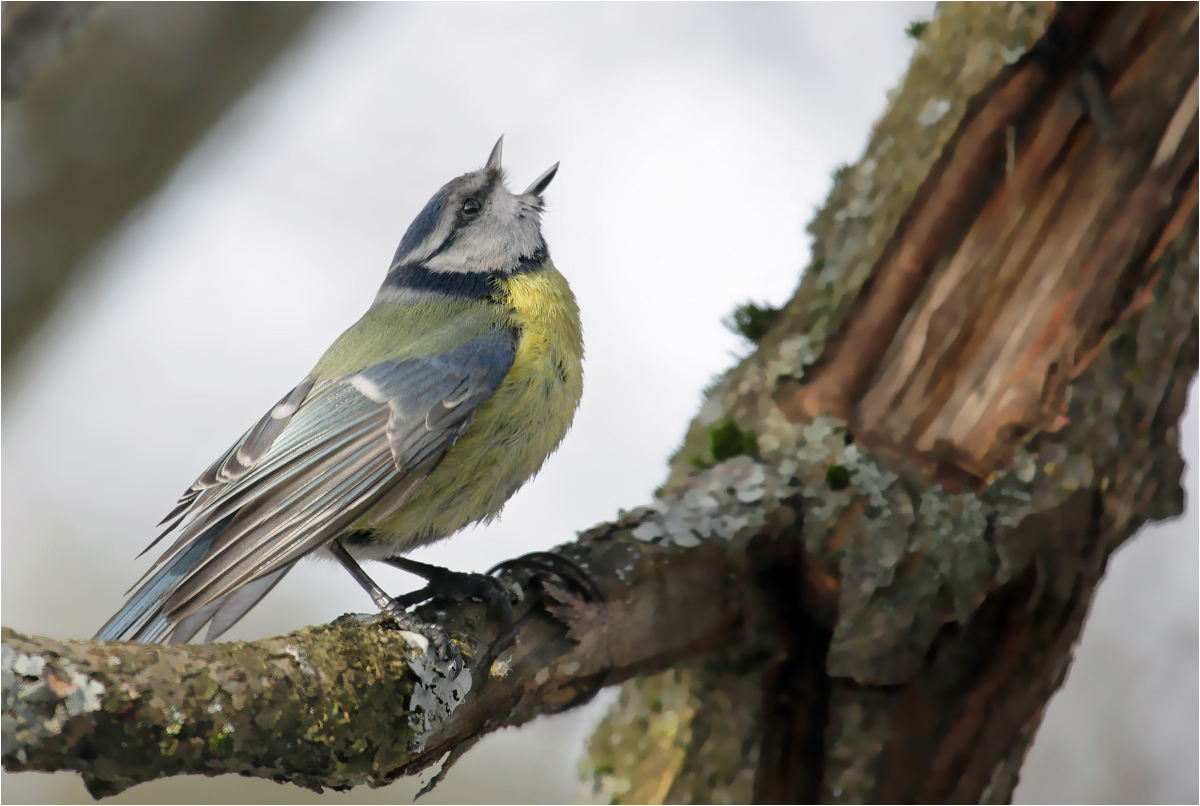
pixel 463 284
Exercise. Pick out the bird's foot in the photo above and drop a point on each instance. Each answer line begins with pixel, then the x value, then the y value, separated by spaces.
pixel 459 585
pixel 394 611
pixel 541 566
pixel 498 598
pixel 544 564
pixel 455 585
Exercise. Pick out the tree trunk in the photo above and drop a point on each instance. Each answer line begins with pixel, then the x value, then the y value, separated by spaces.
pixel 865 575
pixel 977 386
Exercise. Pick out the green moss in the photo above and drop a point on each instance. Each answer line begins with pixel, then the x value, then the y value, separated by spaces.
pixel 727 441
pixel 220 744
pixel 916 28
pixel 837 477
pixel 751 321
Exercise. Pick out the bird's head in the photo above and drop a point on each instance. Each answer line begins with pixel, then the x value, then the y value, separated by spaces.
pixel 474 224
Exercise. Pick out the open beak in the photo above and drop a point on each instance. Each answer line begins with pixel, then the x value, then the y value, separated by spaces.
pixel 541 182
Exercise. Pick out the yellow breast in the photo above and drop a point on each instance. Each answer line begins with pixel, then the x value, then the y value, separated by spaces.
pixel 512 433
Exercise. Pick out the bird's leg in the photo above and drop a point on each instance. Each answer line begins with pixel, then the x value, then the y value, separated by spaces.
pixel 393 610
pixel 456 585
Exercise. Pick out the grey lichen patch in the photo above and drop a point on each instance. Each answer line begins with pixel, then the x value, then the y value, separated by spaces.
pixel 861 531
pixel 905 571
pixel 934 110
pixel 792 356
pixel 819 447
pixel 40 696
pixel 437 693
pixel 715 504
pixel 906 564
pixel 952 532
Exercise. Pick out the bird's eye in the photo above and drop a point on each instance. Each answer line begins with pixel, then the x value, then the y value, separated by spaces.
pixel 471 206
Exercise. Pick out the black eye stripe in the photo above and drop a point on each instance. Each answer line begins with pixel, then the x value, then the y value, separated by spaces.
pixel 444 205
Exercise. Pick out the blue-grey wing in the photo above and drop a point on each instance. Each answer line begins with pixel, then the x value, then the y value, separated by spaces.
pixel 311 467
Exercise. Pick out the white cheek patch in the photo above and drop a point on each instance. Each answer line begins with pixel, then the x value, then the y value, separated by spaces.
pixel 507 231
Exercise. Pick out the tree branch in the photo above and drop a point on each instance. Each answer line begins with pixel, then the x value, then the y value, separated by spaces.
pixel 342 705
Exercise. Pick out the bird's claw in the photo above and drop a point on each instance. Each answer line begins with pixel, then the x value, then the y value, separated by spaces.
pixel 493 592
pixel 548 563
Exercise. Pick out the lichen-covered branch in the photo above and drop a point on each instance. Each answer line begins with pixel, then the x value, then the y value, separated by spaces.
pixel 339 706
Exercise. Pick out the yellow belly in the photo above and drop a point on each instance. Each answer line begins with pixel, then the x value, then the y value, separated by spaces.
pixel 512 433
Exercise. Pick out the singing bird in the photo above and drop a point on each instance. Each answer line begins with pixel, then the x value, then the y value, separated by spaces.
pixel 424 417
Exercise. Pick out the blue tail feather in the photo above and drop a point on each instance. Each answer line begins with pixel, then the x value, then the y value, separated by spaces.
pixel 141 619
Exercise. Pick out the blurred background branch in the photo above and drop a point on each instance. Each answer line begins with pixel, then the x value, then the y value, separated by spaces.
pixel 33 35
pixel 101 101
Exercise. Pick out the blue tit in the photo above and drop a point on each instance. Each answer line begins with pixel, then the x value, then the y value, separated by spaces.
pixel 424 417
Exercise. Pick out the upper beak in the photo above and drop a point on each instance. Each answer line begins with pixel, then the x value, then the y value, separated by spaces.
pixel 493 163
pixel 541 182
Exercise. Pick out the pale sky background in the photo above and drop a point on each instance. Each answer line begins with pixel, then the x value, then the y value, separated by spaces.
pixel 695 141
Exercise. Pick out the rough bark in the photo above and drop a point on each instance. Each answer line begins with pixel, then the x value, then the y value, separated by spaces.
pixel 976 387
pixel 866 573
